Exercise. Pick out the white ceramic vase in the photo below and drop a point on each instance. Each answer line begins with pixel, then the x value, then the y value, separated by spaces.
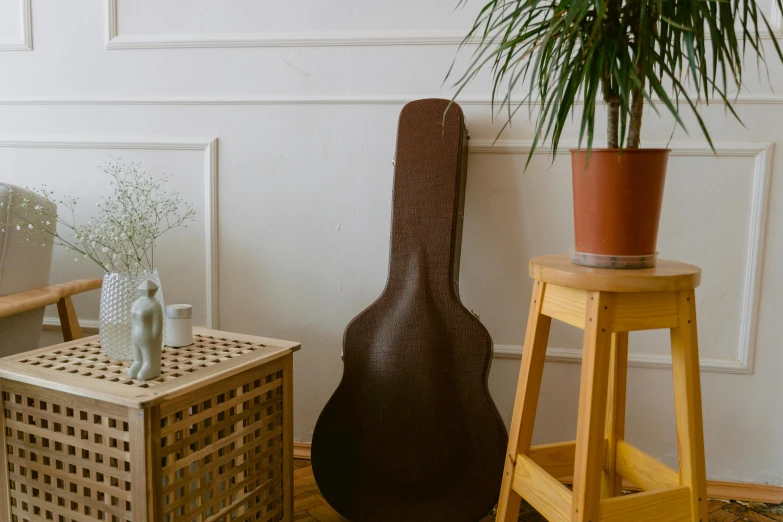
pixel 118 293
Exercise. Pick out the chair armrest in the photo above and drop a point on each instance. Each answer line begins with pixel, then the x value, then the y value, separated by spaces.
pixel 78 286
pixel 38 298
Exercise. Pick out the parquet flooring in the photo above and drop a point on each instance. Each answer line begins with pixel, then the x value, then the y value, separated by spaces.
pixel 310 506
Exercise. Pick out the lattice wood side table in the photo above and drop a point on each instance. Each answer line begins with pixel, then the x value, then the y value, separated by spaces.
pixel 209 440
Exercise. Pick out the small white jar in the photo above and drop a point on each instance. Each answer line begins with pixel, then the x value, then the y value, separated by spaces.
pixel 179 325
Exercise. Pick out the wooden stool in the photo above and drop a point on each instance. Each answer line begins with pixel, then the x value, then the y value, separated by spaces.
pixel 607 304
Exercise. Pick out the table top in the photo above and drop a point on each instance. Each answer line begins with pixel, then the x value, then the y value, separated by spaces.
pixel 666 276
pixel 81 368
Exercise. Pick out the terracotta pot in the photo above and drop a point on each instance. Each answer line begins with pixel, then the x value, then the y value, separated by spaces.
pixel 617 206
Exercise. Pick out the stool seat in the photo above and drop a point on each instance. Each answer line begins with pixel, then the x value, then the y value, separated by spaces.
pixel 607 304
pixel 666 276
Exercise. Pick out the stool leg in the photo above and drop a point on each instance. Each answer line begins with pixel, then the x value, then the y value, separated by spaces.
pixel 589 465
pixel 612 484
pixel 526 402
pixel 687 404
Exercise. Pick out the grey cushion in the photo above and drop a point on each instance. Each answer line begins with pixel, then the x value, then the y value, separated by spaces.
pixel 24 265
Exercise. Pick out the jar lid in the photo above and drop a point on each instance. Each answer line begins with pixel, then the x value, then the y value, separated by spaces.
pixel 179 311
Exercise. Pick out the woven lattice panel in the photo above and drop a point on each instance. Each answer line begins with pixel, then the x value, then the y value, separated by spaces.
pixel 65 461
pixel 87 360
pixel 222 454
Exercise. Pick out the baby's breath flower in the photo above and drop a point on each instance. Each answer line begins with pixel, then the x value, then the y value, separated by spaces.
pixel 122 236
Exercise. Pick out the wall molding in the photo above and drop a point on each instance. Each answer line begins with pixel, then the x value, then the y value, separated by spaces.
pixel 385 38
pixel 283 39
pixel 391 99
pixel 207 145
pixel 115 41
pixel 776 17
pixel 635 360
pixel 743 362
pixel 25 41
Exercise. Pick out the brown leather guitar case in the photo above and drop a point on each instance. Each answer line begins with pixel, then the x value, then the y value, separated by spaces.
pixel 411 434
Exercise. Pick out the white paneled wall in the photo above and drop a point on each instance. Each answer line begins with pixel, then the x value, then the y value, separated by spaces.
pixel 278 121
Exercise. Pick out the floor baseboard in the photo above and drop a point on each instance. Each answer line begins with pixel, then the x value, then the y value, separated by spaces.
pixel 745 492
pixel 301 451
pixel 764 493
pixel 717 489
pixel 89 327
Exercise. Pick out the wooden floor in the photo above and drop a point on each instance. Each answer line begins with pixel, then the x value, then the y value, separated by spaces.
pixel 310 506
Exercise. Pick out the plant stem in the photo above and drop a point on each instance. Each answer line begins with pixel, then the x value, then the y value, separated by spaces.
pixel 612 114
pixel 637 91
pixel 611 96
pixel 637 104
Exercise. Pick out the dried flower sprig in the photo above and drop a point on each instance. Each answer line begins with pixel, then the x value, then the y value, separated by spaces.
pixel 122 237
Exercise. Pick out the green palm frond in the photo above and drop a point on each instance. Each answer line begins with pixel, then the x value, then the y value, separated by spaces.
pixel 627 51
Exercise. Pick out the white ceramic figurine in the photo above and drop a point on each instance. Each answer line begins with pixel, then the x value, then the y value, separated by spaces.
pixel 147 333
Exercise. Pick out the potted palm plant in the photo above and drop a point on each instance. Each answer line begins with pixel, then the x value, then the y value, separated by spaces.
pixel 627 53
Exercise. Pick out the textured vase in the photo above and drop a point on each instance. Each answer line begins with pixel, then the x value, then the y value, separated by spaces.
pixel 118 293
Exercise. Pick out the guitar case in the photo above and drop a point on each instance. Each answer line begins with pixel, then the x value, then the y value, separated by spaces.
pixel 411 433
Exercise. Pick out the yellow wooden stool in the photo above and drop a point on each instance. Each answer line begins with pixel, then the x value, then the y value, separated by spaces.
pixel 607 304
